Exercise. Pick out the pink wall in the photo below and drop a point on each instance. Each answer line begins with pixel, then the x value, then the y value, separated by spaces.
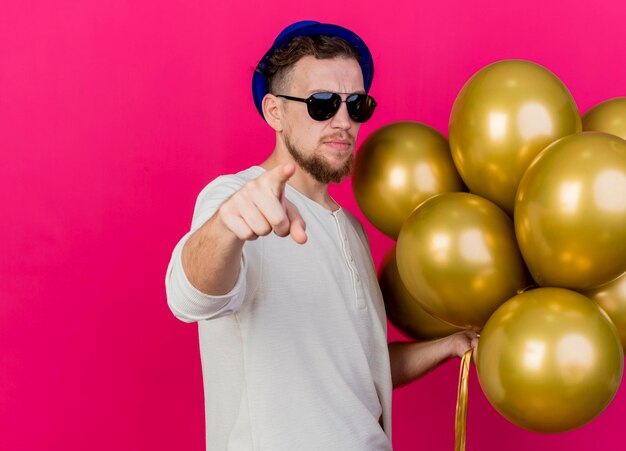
pixel 113 115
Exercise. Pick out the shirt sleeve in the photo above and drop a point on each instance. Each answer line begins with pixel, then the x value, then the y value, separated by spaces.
pixel 185 301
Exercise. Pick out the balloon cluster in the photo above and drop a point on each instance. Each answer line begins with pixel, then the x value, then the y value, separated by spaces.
pixel 521 257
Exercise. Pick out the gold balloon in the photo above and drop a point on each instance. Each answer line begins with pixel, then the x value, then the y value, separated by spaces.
pixel 458 257
pixel 403 310
pixel 612 298
pixel 570 212
pixel 549 360
pixel 608 117
pixel 398 167
pixel 502 118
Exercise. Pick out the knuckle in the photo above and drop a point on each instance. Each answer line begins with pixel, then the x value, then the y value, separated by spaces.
pixel 281 223
pixel 249 235
pixel 278 218
pixel 244 194
pixel 224 211
pixel 252 185
pixel 263 230
pixel 226 216
pixel 236 199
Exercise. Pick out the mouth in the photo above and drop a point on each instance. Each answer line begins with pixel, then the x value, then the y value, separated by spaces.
pixel 339 144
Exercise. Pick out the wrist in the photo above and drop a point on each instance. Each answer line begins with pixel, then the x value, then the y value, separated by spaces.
pixel 220 229
pixel 453 346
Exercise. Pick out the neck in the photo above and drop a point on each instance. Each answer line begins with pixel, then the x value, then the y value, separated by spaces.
pixel 302 181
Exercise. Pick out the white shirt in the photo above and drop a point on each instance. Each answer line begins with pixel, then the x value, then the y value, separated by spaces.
pixel 295 357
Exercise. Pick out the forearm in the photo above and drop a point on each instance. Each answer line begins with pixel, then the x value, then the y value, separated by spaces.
pixel 410 361
pixel 211 258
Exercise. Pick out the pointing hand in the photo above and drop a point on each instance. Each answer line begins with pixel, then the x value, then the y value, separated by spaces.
pixel 261 207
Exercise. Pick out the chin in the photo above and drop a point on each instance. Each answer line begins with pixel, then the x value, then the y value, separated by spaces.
pixel 338 157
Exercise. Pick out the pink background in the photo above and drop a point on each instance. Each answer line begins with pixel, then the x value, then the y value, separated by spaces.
pixel 113 116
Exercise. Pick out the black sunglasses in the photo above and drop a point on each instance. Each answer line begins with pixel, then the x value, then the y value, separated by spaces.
pixel 324 105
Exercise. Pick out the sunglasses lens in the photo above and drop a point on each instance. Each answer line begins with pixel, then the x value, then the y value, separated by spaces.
pixel 360 107
pixel 323 105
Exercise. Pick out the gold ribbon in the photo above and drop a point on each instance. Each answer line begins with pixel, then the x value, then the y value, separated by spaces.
pixel 461 402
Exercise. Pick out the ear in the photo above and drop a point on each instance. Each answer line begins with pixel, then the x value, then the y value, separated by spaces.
pixel 272 111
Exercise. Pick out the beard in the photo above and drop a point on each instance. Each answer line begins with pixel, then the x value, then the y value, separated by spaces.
pixel 319 168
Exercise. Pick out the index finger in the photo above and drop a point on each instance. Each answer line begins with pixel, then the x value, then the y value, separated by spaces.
pixel 278 177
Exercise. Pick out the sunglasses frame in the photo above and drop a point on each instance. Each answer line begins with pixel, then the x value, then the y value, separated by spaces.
pixel 335 100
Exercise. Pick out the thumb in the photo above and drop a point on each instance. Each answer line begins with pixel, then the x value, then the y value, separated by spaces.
pixel 297 226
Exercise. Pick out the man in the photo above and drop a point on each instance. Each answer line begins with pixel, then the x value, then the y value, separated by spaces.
pixel 280 279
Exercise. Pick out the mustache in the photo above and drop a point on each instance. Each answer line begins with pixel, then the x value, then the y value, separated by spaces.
pixel 339 137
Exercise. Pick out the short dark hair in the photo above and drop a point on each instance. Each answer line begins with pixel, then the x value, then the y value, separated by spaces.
pixel 319 46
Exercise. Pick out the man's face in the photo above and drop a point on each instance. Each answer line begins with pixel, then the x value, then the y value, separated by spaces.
pixel 325 149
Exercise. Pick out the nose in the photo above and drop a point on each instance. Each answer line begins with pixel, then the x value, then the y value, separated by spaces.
pixel 341 120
